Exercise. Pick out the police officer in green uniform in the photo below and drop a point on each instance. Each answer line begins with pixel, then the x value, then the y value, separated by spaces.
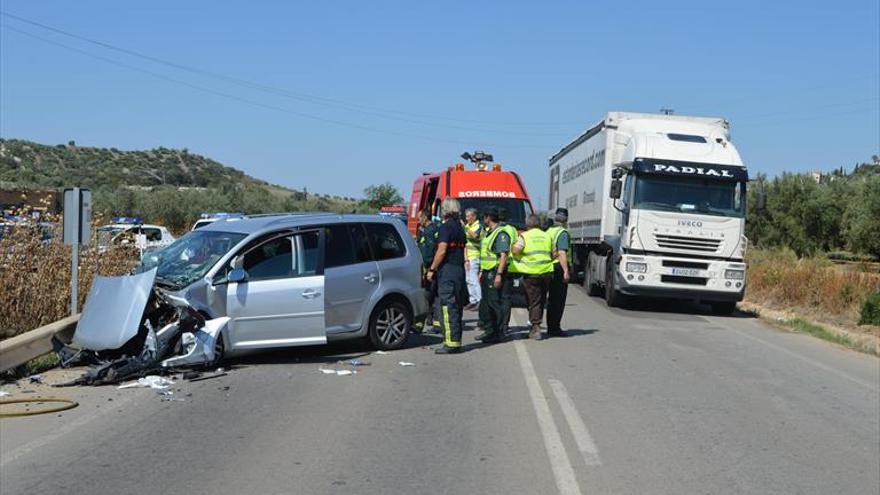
pixel 495 281
pixel 561 242
pixel 427 240
pixel 533 258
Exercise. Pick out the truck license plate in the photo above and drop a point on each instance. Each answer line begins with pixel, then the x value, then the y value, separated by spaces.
pixel 686 272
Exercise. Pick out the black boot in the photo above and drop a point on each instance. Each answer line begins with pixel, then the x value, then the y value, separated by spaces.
pixel 488 338
pixel 447 350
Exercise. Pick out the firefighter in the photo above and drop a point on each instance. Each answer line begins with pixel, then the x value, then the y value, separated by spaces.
pixel 427 240
pixel 495 280
pixel 533 258
pixel 448 269
pixel 561 243
pixel 474 233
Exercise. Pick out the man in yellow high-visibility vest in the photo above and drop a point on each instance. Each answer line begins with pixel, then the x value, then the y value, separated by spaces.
pixel 474 233
pixel 561 241
pixel 533 258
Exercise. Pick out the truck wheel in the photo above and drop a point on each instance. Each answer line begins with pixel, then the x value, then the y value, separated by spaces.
pixel 723 308
pixel 590 283
pixel 613 297
pixel 389 325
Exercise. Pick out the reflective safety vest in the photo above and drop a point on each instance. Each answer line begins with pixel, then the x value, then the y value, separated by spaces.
pixel 473 245
pixel 554 233
pixel 488 258
pixel 537 255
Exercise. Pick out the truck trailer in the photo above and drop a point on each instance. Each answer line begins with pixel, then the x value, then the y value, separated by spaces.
pixel 656 208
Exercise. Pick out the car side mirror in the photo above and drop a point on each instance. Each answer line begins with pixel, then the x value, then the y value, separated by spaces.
pixel 616 188
pixel 761 201
pixel 238 274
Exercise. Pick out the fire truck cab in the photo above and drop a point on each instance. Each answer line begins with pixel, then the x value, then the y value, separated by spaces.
pixel 480 188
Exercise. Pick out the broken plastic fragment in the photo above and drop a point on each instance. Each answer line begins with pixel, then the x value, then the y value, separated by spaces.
pixel 407 363
pixel 37 379
pixel 327 372
pixel 199 346
pixel 151 381
pixel 381 353
pixel 344 372
pixel 4 393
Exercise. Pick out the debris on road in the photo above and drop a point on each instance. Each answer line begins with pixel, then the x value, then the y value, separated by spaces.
pixel 331 371
pixel 406 363
pixel 117 335
pixel 381 353
pixel 36 379
pixel 4 393
pixel 151 381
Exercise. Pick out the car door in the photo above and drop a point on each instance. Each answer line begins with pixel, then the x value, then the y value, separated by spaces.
pixel 351 277
pixel 281 302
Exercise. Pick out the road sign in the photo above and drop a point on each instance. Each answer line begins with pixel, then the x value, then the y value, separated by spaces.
pixel 77 216
pixel 77 231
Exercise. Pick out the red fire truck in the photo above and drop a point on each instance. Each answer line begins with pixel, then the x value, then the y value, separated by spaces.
pixel 481 187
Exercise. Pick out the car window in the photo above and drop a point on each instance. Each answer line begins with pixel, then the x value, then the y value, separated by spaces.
pixel 307 249
pixel 284 257
pixel 272 259
pixel 385 241
pixel 338 250
pixel 360 242
pixel 153 234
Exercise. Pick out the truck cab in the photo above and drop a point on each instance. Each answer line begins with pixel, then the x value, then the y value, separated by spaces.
pixel 480 188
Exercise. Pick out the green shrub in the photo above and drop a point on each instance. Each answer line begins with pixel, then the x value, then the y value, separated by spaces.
pixel 870 314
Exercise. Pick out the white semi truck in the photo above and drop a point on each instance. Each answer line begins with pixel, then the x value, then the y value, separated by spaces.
pixel 656 208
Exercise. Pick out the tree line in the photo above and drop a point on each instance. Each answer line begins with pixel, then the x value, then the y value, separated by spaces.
pixel 814 214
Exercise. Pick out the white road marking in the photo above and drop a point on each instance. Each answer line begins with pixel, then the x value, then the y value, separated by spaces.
pixel 804 359
pixel 582 437
pixel 563 472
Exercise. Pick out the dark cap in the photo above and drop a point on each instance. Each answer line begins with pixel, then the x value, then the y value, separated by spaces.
pixel 561 214
pixel 492 213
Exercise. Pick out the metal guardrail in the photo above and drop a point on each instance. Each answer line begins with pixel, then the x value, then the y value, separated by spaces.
pixel 22 348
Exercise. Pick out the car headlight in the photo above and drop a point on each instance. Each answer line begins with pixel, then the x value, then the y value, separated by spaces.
pixel 637 267
pixel 734 274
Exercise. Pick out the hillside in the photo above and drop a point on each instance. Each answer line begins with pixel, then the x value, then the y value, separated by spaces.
pixel 161 185
pixel 30 164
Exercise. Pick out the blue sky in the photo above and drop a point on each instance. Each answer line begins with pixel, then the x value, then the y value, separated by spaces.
pixel 354 93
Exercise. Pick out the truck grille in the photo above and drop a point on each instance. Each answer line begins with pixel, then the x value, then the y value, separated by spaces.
pixel 695 244
pixel 676 279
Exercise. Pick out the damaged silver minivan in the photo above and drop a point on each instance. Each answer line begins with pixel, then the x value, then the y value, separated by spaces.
pixel 298 279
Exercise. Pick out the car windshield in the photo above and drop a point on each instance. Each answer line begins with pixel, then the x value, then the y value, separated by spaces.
pixel 513 211
pixel 190 257
pixel 106 234
pixel 690 195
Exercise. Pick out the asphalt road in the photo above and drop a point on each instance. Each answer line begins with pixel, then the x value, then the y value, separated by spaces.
pixel 660 399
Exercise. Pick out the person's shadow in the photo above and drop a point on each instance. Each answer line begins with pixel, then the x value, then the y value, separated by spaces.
pixel 514 334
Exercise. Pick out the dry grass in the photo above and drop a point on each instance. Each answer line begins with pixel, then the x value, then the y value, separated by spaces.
pixel 813 287
pixel 35 276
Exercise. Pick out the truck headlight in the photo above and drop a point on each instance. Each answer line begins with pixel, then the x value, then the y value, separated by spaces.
pixel 637 267
pixel 734 274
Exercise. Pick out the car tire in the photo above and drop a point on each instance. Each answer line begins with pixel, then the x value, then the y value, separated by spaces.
pixel 613 297
pixel 389 325
pixel 723 308
pixel 590 283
